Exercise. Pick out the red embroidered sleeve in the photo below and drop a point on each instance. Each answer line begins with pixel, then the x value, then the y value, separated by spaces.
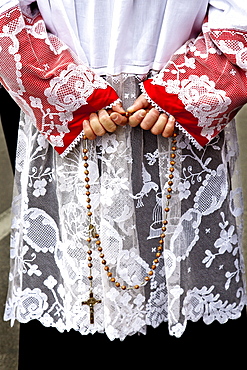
pixel 205 83
pixel 47 80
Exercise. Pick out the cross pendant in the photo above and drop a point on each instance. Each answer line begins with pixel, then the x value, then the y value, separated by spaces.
pixel 91 302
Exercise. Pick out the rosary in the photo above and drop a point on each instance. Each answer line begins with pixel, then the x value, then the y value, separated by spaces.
pixel 94 237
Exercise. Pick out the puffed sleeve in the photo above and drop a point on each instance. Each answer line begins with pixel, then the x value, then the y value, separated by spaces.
pixel 46 79
pixel 205 83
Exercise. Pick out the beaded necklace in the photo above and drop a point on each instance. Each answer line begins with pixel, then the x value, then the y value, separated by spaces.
pixel 94 237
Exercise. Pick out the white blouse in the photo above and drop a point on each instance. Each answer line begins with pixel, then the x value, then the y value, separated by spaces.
pixel 129 36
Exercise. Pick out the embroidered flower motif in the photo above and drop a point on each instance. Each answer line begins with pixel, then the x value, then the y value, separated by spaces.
pixel 50 282
pixel 40 189
pixel 31 304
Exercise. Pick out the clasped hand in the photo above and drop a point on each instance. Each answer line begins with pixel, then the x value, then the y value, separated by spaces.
pixel 141 113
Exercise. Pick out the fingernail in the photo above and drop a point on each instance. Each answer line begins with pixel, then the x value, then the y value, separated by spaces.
pixel 114 116
pixel 143 113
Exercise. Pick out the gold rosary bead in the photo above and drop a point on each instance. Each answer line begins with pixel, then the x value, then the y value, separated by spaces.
pixel 106 268
pixel 167 209
pixel 85 150
pixel 163 228
pixel 170 183
pixel 173 148
pixel 160 248
pixel 165 222
pixel 85 158
pixel 88 200
pixel 86 172
pixel 98 242
pixel 153 267
pixel 171 169
pixel 89 206
pixel 173 155
pixel 89 214
pixel 87 179
pixel 171 176
pixel 156 260
pixel 123 287
pixel 113 280
pixel 172 163
pixel 96 236
pixel 150 273
pixel 87 186
pixel 158 255
pixel 89 259
pixel 168 196
pixel 147 278
pixel 102 255
pixel 161 242
pixel 88 193
pixel 86 165
pixel 103 262
pixel 89 240
pixel 117 285
pixel 136 286
pixel 89 252
pixel 90 265
pixel 90 277
pixel 100 249
pixel 169 190
pixel 162 235
pixel 109 274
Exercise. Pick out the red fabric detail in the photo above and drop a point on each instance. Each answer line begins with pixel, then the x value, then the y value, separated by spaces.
pixel 47 80
pixel 205 83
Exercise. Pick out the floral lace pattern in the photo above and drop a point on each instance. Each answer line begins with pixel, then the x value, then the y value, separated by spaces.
pixel 200 274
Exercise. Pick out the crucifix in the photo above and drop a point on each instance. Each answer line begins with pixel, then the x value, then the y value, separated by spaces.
pixel 91 302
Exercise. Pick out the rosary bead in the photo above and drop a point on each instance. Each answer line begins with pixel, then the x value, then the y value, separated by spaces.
pixel 167 209
pixel 173 155
pixel 171 176
pixel 85 150
pixel 89 258
pixel 172 163
pixel 160 249
pixel 89 252
pixel 86 165
pixel 102 255
pixel 106 268
pixel 153 267
pixel 103 262
pixel 89 240
pixel 87 179
pixel 113 280
pixel 156 260
pixel 100 249
pixel 88 193
pixel 90 278
pixel 170 183
pixel 162 235
pixel 89 214
pixel 89 206
pixel 147 278
pixel 117 285
pixel 172 169
pixel 169 190
pixel 165 222
pixel 86 172
pixel 96 236
pixel 90 265
pixel 98 242
pixel 136 287
pixel 87 186
pixel 161 242
pixel 109 274
pixel 168 196
pixel 163 228
pixel 85 158
pixel 123 287
pixel 150 273
pixel 158 254
pixel 174 148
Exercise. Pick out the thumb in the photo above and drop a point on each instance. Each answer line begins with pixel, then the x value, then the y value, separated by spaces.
pixel 118 108
pixel 140 103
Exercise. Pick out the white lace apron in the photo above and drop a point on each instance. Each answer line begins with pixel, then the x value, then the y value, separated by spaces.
pixel 200 274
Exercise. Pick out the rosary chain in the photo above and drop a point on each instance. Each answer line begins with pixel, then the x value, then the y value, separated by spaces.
pixel 93 235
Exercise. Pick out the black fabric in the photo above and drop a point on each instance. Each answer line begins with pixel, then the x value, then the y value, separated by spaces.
pixel 201 344
pixel 10 114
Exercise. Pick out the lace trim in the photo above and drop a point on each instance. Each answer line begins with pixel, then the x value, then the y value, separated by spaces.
pixel 72 145
pixel 155 105
pixel 113 104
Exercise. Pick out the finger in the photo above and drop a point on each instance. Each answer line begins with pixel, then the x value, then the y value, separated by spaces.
pixel 88 132
pixel 118 108
pixel 106 122
pixel 96 126
pixel 118 118
pixel 140 103
pixel 137 118
pixel 169 128
pixel 150 119
pixel 160 125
